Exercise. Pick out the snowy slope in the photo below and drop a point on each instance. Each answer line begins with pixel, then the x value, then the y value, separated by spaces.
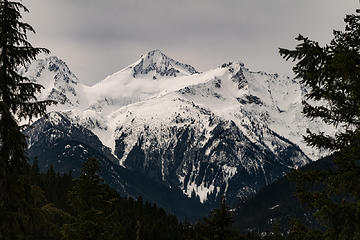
pixel 281 97
pixel 227 130
pixel 196 116
pixel 60 84
pixel 59 143
pixel 149 76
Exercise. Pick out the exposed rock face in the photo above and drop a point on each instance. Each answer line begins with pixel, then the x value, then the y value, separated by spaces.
pixel 158 64
pixel 59 82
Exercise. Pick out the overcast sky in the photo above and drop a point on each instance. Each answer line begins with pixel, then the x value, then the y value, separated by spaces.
pixel 99 37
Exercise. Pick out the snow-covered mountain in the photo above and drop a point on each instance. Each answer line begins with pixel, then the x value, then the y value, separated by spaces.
pixel 149 76
pixel 58 142
pixel 59 82
pixel 225 131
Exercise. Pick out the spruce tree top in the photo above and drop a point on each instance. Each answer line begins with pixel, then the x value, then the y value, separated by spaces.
pixel 331 73
pixel 17 93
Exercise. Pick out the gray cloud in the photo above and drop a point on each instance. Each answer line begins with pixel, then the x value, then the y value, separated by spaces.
pixel 97 38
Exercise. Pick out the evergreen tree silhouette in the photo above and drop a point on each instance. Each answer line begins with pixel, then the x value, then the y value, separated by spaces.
pixel 92 205
pixel 17 102
pixel 219 222
pixel 331 74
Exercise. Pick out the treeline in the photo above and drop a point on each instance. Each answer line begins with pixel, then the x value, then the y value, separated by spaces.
pixel 86 208
pixel 63 207
pixel 278 203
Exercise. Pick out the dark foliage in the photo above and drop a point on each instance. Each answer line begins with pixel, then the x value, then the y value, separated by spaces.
pixel 277 203
pixel 85 207
pixel 21 216
pixel 332 76
pixel 218 226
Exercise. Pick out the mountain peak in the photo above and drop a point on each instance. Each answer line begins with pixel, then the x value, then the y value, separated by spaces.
pixel 51 64
pixel 156 54
pixel 157 64
pixel 55 76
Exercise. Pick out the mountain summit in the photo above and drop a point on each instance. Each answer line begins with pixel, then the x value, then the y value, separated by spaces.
pixel 136 82
pixel 158 64
pixel 59 82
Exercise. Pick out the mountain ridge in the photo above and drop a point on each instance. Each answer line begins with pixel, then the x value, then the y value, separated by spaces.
pixel 225 131
pixel 157 62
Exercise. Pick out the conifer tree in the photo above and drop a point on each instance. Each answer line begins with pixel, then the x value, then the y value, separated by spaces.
pixel 17 93
pixel 92 207
pixel 331 73
pixel 17 101
pixel 219 222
